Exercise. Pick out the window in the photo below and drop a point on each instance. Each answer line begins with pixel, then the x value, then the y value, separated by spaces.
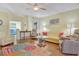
pixel 14 25
pixel 70 28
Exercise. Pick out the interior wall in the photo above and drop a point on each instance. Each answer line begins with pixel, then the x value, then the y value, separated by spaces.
pixel 64 18
pixel 31 21
pixel 4 28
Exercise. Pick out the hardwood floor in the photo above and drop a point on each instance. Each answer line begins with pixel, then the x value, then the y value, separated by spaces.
pixel 51 47
pixel 54 48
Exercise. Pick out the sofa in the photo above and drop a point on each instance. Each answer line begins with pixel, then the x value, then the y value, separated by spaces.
pixel 71 46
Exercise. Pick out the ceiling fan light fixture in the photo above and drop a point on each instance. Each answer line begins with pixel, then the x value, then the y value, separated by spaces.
pixel 36 8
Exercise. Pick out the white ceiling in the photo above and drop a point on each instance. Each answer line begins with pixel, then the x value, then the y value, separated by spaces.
pixel 51 8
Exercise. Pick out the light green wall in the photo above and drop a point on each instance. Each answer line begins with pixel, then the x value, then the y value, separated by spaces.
pixel 6 17
pixel 64 17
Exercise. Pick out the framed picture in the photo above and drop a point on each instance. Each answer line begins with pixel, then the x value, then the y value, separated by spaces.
pixel 54 21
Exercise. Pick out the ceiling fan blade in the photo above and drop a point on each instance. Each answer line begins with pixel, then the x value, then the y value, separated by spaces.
pixel 35 4
pixel 43 8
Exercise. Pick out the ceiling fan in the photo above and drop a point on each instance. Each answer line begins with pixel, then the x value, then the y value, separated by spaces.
pixel 36 7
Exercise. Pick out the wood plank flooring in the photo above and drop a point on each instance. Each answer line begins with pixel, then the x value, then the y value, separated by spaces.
pixel 52 47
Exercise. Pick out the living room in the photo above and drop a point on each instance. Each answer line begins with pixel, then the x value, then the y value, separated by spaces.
pixel 23 23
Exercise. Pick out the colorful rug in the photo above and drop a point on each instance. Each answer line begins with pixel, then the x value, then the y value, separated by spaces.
pixel 25 50
pixel 30 47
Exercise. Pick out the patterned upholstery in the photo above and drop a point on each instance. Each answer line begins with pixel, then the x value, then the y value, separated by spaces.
pixel 70 46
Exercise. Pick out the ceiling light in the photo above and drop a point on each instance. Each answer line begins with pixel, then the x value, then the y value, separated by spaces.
pixel 36 8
